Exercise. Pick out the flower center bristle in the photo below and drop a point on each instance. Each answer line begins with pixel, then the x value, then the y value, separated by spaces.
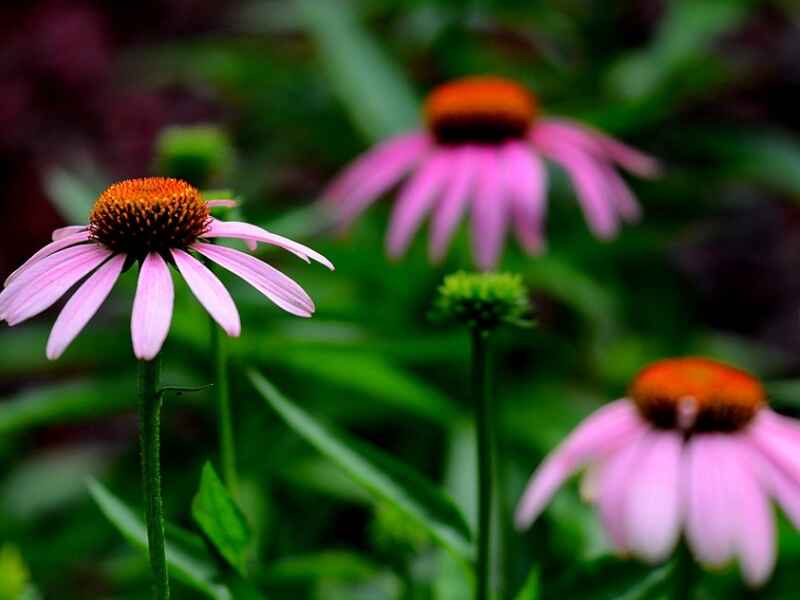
pixel 697 394
pixel 152 214
pixel 486 110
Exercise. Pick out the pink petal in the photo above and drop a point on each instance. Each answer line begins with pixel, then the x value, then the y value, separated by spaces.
pixel 276 286
pixel 602 432
pixel 63 232
pixel 776 441
pixel 58 244
pixel 653 504
pixel 371 179
pixel 246 231
pixel 227 203
pixel 44 283
pixel 710 515
pixel 526 180
pixel 152 307
pixel 616 472
pixel 621 195
pixel 591 187
pixel 209 291
pixel 448 212
pixel 754 528
pixel 83 305
pixel 415 201
pixel 600 144
pixel 490 211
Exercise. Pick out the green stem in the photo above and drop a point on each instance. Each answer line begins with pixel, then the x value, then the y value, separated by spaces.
pixel 684 574
pixel 149 432
pixel 483 423
pixel 227 447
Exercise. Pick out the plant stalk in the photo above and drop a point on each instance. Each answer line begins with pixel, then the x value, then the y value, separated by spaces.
pixel 149 433
pixel 483 424
pixel 227 445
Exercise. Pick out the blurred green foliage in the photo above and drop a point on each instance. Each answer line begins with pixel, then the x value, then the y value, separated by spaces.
pixel 311 83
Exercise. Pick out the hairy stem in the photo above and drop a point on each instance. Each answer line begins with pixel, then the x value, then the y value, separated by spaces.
pixel 483 423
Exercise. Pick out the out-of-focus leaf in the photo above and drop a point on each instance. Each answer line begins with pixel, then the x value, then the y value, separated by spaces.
pixel 686 33
pixel 219 517
pixel 72 193
pixel 333 564
pixel 530 590
pixel 200 573
pixel 65 402
pixel 383 476
pixel 51 480
pixel 380 101
pixel 649 587
pixel 608 579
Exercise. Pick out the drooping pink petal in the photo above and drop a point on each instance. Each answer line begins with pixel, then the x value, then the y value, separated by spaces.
pixel 276 286
pixel 364 166
pixel 754 527
pixel 152 307
pixel 227 203
pixel 209 291
pixel 621 195
pixel 599 434
pixel 710 515
pixel 375 178
pixel 490 211
pixel 83 305
pixel 779 485
pixel 591 186
pixel 58 244
pixel 653 505
pixel 246 231
pixel 415 201
pixel 615 473
pixel 776 441
pixel 599 144
pixel 63 232
pixel 526 179
pixel 448 212
pixel 39 287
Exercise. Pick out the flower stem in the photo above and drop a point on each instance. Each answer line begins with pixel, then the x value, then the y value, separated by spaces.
pixel 149 432
pixel 483 423
pixel 684 574
pixel 227 447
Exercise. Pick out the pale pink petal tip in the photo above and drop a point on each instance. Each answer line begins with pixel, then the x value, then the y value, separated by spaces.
pixel 218 203
pixel 63 232
pixel 152 307
pixel 82 306
pixel 596 437
pixel 209 291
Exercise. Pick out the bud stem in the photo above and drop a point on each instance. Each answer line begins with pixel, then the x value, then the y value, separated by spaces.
pixel 483 423
pixel 149 432
pixel 227 445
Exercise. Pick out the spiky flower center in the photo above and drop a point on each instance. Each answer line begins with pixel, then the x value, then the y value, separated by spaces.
pixel 697 394
pixel 486 110
pixel 151 214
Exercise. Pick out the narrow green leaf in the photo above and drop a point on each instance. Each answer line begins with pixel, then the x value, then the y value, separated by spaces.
pixel 377 96
pixel 383 476
pixel 219 517
pixel 197 572
pixel 333 564
pixel 72 193
pixel 530 591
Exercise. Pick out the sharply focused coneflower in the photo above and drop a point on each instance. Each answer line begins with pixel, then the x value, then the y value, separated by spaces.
pixel 483 147
pixel 156 222
pixel 693 449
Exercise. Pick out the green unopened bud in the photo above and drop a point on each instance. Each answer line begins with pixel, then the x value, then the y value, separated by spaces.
pixel 483 301
pixel 199 154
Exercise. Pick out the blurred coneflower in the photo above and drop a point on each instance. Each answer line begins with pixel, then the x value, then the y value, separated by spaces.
pixel 483 147
pixel 693 449
pixel 157 222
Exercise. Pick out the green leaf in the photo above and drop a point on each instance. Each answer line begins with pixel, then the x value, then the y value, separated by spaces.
pixel 384 477
pixel 332 564
pixel 377 96
pixel 195 571
pixel 220 519
pixel 72 193
pixel 530 591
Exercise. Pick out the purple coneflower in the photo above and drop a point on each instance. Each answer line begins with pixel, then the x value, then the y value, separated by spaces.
pixel 157 222
pixel 483 147
pixel 693 449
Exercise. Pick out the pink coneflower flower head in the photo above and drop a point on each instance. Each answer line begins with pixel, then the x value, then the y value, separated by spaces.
pixel 692 450
pixel 483 150
pixel 158 223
